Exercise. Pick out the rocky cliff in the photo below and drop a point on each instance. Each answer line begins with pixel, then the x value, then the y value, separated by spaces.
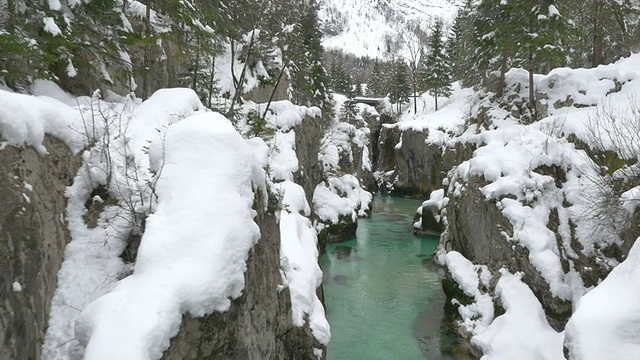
pixel 537 203
pixel 258 324
pixel 408 166
pixel 36 188
pixel 33 236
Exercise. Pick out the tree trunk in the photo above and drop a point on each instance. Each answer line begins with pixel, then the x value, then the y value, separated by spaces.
pixel 196 65
pixel 275 88
pixel 503 72
pixel 211 79
pixel 532 96
pixel 11 9
pixel 436 96
pixel 240 84
pixel 598 31
pixel 415 80
pixel 532 92
pixel 147 54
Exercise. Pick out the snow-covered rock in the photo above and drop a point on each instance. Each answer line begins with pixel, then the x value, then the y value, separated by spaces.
pixel 143 167
pixel 606 323
pixel 552 199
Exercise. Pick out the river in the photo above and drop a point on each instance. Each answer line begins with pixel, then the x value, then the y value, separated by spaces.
pixel 383 296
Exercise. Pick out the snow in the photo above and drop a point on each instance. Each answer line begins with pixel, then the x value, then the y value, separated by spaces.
pixel 299 242
pixel 363 26
pixel 553 11
pixel 330 202
pixel 51 27
pixel 16 287
pixel 509 155
pixel 203 172
pixel 438 201
pixel 54 5
pixel 25 119
pixel 606 322
pixel 479 314
pixel 182 266
pixel 522 332
pixel 450 117
pixel 299 254
pixel 227 67
pixel 551 215
pixel 342 195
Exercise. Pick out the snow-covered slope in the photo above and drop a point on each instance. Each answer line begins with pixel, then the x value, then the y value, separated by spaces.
pixel 361 26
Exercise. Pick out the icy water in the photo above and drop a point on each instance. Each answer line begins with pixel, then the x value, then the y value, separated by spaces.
pixel 383 297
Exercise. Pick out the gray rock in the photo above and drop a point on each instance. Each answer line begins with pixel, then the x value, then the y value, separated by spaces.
pixel 32 241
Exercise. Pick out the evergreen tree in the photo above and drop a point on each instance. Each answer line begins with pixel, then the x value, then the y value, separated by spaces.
pixel 400 89
pixel 349 111
pixel 437 68
pixel 305 50
pixel 339 78
pixel 376 81
pixel 601 31
pixel 461 47
pixel 526 33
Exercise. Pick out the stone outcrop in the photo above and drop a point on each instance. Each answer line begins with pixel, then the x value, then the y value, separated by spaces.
pixel 309 135
pixel 343 230
pixel 418 168
pixel 259 323
pixel 33 236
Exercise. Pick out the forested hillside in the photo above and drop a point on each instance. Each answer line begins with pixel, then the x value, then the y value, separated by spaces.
pixel 131 46
pixel 483 40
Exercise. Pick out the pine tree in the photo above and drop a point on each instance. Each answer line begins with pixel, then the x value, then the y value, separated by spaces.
pixel 339 78
pixel 461 47
pixel 527 33
pixel 437 68
pixel 376 83
pixel 308 75
pixel 349 111
pixel 400 90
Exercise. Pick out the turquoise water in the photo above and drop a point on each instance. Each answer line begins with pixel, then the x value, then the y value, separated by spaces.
pixel 383 297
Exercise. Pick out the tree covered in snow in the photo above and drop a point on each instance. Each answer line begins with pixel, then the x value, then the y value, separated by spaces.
pixel 436 71
pixel 519 34
pixel 399 88
pixel 339 78
pixel 349 111
pixel 377 84
pixel 308 75
pixel 603 31
pixel 460 46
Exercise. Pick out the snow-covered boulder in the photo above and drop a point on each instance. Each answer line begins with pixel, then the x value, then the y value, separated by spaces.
pixel 606 323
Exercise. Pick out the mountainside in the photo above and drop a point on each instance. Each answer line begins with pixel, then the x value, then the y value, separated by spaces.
pixel 364 28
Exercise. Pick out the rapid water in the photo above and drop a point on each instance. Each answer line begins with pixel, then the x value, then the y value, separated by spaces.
pixel 383 297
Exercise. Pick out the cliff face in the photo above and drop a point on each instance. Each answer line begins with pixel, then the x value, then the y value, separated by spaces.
pixel 345 156
pixel 538 202
pixel 33 236
pixel 264 322
pixel 258 324
pixel 308 141
pixel 417 167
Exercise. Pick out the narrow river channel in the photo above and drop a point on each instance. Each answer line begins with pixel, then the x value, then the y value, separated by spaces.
pixel 383 297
